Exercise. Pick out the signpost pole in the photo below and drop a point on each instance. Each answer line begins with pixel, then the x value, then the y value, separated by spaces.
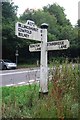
pixel 43 64
pixel 16 54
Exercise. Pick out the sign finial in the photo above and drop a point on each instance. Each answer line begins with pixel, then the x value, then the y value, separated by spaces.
pixel 44 25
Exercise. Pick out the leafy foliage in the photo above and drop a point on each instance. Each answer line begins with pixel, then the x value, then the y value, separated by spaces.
pixel 8 27
pixel 59 28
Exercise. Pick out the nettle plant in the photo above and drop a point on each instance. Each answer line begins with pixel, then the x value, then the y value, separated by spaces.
pixel 64 89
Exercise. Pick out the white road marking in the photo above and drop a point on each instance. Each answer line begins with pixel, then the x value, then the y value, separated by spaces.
pixel 21 83
pixel 19 72
pixel 10 85
pixel 31 81
pixel 25 83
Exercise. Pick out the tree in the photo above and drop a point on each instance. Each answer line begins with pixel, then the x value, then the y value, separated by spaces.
pixel 9 17
pixel 58 12
pixel 59 26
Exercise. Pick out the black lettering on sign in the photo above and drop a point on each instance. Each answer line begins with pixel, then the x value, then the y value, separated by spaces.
pixel 20 34
pixel 24 30
pixel 62 42
pixel 38 45
pixel 38 48
pixel 23 35
pixel 31 23
pixel 20 30
pixel 19 25
pixel 55 43
pixel 63 46
pixel 26 35
pixel 27 27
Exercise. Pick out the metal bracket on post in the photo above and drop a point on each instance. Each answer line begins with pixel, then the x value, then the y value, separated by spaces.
pixel 43 67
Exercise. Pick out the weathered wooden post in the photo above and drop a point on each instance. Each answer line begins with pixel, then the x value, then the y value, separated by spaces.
pixel 43 64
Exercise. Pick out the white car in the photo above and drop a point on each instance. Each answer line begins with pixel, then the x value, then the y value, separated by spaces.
pixel 7 64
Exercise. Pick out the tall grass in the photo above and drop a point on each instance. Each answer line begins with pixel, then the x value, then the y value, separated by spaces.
pixel 61 101
pixel 65 90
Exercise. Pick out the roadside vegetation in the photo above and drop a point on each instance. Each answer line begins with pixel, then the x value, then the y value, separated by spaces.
pixel 60 28
pixel 61 101
pixel 27 65
pixel 51 62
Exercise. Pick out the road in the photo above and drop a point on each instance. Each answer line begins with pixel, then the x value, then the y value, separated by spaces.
pixel 22 76
pixel 19 76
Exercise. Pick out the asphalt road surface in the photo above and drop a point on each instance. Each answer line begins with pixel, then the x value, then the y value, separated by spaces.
pixel 19 77
pixel 22 76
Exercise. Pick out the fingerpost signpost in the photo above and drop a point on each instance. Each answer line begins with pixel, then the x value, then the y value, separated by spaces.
pixel 30 31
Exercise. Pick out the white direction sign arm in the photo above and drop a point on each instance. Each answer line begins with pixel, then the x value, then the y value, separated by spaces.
pixel 27 32
pixel 54 45
pixel 35 47
pixel 58 45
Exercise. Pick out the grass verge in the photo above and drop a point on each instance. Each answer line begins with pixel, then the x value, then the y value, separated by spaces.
pixel 61 101
pixel 27 65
